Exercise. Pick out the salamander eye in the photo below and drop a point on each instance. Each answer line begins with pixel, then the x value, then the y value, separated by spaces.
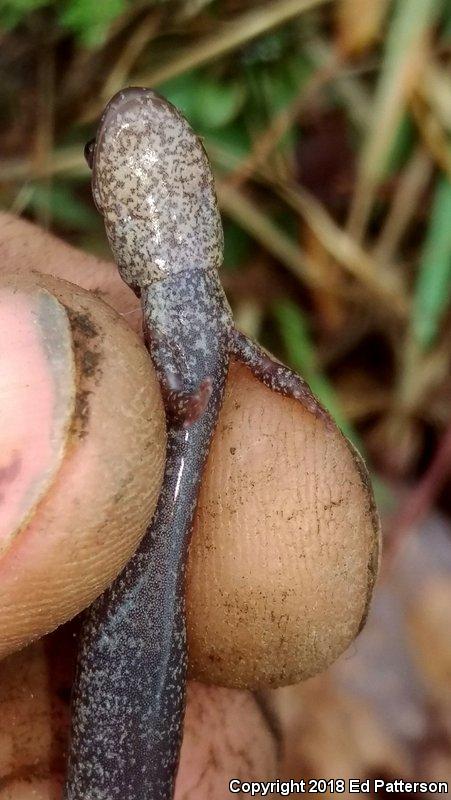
pixel 89 152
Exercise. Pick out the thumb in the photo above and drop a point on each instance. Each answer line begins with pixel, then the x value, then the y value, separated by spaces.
pixel 83 443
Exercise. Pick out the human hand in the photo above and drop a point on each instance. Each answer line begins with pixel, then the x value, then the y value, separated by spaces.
pixel 257 613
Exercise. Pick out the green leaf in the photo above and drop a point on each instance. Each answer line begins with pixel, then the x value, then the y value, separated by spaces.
pixel 218 104
pixel 433 288
pixel 284 81
pixel 182 91
pixel 255 114
pixel 269 47
pixel 89 20
pixel 63 206
pixel 446 34
pixel 237 245
pixel 12 12
pixel 271 88
pixel 209 104
pixel 233 139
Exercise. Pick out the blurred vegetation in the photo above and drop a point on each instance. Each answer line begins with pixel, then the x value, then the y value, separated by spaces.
pixel 328 127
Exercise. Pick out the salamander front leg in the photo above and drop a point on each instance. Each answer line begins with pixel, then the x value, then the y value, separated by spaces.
pixel 276 376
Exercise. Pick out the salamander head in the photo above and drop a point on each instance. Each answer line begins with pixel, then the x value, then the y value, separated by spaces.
pixel 153 185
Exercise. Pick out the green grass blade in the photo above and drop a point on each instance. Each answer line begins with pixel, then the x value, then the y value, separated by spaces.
pixel 433 288
pixel 409 23
pixel 301 356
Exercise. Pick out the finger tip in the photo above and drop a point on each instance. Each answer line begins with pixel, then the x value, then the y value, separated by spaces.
pixel 284 546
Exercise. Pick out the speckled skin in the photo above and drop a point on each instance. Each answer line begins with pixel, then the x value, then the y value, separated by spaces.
pixel 153 185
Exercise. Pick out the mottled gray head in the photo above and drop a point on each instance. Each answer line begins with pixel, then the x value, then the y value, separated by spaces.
pixel 153 184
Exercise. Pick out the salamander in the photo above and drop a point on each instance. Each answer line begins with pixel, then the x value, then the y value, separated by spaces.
pixel 153 185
